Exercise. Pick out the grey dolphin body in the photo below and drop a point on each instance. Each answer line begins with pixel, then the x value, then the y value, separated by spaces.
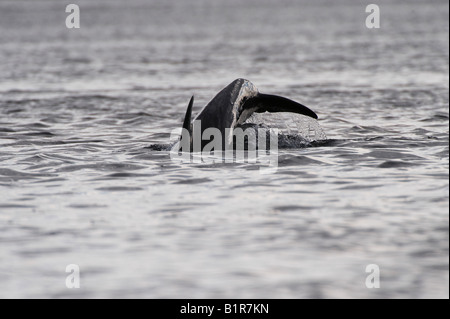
pixel 233 105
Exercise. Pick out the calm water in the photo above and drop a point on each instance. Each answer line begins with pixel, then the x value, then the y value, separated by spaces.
pixel 79 185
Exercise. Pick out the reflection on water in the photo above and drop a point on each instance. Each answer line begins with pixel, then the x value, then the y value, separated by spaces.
pixel 80 185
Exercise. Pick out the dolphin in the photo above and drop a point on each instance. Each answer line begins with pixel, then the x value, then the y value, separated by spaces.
pixel 233 105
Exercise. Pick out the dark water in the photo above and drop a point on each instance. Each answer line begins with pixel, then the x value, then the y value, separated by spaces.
pixel 79 185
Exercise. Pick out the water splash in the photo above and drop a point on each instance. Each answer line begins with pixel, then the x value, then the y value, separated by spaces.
pixel 291 124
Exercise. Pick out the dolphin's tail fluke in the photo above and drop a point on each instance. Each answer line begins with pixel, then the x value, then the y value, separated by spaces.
pixel 275 103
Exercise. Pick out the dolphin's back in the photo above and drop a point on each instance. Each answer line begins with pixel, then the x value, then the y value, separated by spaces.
pixel 221 111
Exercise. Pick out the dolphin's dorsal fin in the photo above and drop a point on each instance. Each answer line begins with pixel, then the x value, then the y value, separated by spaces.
pixel 187 117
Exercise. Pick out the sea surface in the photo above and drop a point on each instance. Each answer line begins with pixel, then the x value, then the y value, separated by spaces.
pixel 80 183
